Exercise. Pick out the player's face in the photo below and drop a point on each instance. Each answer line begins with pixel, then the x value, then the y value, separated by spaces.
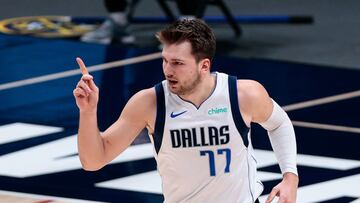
pixel 180 68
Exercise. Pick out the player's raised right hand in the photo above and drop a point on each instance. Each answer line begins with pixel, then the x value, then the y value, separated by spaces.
pixel 86 93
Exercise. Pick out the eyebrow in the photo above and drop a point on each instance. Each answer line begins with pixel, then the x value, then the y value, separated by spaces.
pixel 177 60
pixel 174 59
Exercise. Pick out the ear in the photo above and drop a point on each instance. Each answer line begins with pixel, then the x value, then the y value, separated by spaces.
pixel 205 65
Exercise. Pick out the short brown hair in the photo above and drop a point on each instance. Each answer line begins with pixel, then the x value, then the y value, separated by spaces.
pixel 195 31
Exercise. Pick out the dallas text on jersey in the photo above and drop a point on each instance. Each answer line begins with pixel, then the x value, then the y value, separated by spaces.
pixel 201 136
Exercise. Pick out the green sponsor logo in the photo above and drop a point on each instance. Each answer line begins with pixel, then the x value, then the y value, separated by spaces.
pixel 214 111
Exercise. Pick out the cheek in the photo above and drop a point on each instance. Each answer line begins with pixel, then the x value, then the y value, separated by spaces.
pixel 194 71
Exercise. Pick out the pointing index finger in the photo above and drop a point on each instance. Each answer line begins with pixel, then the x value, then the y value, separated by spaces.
pixel 82 66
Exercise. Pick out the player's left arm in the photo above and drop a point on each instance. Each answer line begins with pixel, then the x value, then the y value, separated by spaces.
pixel 258 107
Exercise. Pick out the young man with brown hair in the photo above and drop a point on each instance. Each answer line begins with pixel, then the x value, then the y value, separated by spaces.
pixel 199 123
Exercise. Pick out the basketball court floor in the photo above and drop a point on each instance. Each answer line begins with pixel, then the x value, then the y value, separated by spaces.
pixel 39 119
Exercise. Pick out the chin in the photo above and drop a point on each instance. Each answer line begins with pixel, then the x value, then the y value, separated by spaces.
pixel 173 90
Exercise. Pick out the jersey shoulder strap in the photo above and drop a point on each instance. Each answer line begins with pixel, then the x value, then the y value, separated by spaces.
pixel 160 117
pixel 234 102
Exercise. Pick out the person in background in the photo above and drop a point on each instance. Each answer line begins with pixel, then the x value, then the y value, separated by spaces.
pixel 114 28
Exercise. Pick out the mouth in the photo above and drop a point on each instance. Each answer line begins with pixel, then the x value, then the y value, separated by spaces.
pixel 172 82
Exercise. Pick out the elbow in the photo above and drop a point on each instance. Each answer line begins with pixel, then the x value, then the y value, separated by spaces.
pixel 91 166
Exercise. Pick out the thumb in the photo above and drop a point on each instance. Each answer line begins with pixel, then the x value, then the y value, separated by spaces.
pixel 272 195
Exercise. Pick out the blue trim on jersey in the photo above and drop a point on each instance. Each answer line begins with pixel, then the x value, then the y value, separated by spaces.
pixel 239 122
pixel 160 117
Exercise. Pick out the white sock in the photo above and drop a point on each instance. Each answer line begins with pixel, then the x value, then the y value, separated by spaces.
pixel 119 18
pixel 189 17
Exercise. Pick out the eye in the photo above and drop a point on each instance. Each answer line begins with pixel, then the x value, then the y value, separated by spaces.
pixel 178 63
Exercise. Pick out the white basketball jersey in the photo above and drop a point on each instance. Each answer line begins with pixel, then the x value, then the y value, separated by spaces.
pixel 204 154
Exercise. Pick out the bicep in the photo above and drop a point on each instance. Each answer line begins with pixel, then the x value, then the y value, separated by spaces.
pixel 263 109
pixel 256 102
pixel 122 133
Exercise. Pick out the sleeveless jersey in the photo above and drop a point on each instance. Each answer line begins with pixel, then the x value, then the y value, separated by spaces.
pixel 204 154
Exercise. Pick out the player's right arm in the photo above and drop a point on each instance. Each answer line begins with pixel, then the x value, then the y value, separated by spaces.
pixel 97 149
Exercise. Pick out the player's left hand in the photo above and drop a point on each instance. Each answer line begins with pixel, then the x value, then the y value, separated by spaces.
pixel 285 190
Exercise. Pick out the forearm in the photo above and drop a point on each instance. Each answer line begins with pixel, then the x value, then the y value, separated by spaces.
pixel 282 137
pixel 284 145
pixel 90 143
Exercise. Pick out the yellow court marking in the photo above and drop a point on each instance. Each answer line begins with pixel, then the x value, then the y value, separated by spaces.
pixel 44 26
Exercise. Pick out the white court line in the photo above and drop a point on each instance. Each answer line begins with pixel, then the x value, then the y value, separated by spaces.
pixel 77 71
pixel 153 56
pixel 324 100
pixel 326 126
pixel 20 131
pixel 320 101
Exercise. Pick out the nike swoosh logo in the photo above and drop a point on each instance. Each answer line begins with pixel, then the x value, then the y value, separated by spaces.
pixel 174 115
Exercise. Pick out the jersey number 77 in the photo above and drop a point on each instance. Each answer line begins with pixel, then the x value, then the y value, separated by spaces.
pixel 220 152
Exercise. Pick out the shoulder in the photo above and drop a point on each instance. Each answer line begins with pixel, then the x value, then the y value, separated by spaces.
pixel 251 90
pixel 140 109
pixel 142 104
pixel 254 100
pixel 145 93
pixel 144 98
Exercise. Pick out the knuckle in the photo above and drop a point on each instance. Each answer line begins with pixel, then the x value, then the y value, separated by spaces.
pixel 86 77
pixel 81 83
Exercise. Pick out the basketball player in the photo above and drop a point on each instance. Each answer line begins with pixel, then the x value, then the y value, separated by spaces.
pixel 198 122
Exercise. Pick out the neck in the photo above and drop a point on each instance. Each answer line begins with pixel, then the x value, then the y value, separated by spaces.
pixel 202 91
